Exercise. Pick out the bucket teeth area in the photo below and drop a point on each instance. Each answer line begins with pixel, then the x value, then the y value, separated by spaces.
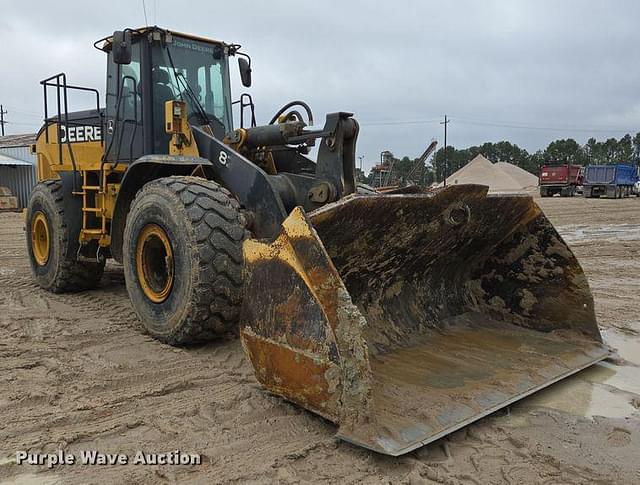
pixel 448 379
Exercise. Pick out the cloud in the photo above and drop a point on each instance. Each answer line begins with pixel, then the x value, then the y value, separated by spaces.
pixel 526 71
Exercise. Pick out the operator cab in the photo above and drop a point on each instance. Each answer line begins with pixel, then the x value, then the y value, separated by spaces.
pixel 150 66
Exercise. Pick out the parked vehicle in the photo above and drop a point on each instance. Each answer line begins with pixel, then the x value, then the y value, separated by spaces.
pixel 613 181
pixel 560 179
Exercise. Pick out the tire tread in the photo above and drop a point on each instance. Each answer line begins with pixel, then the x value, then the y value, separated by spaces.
pixel 219 228
pixel 73 275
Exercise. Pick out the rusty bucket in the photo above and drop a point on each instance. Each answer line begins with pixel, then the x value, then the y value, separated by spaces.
pixel 405 317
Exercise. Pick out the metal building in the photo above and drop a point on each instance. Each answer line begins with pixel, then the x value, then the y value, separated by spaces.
pixel 18 166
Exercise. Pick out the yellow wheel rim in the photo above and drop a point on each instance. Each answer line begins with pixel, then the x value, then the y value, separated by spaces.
pixel 154 263
pixel 40 240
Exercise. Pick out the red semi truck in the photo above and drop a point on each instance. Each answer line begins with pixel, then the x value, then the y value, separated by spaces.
pixel 560 179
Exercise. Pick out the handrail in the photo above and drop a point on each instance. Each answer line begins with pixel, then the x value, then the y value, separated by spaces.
pixel 59 82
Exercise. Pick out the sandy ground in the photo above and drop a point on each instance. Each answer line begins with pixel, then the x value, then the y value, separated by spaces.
pixel 77 373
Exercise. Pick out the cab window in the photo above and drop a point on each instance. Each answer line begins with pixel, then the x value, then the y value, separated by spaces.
pixel 196 73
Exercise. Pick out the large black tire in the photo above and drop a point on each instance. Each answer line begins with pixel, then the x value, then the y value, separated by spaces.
pixel 204 227
pixel 62 272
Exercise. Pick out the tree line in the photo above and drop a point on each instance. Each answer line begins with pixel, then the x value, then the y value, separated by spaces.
pixel 594 152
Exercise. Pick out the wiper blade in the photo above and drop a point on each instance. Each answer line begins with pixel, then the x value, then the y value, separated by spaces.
pixel 187 89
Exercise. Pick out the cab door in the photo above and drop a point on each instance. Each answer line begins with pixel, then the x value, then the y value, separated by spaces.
pixel 124 128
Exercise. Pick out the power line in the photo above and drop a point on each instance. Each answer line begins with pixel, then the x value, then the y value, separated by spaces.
pixel 399 122
pixel 34 117
pixel 21 124
pixel 524 126
pixel 502 124
pixel 22 111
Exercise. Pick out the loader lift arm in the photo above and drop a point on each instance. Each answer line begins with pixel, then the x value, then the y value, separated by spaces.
pixel 272 197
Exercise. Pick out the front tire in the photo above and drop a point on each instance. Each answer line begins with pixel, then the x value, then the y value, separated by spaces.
pixel 52 241
pixel 182 255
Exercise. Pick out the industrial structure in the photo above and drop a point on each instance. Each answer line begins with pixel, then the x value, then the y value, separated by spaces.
pixel 18 166
pixel 382 173
pixel 385 175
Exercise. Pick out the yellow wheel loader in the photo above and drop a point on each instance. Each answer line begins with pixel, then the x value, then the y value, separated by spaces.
pixel 399 317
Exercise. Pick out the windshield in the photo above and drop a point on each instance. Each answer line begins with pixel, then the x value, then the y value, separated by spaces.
pixel 190 71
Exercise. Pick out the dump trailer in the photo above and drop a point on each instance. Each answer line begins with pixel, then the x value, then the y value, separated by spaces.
pixel 560 179
pixel 399 317
pixel 612 181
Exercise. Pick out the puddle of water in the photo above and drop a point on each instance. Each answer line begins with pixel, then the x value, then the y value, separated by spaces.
pixel 617 232
pixel 628 346
pixel 604 389
pixel 580 397
pixel 626 378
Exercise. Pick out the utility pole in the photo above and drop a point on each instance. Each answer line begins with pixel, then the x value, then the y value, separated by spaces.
pixel 2 121
pixel 445 123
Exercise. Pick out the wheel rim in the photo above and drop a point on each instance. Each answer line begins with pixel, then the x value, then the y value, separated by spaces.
pixel 40 241
pixel 154 263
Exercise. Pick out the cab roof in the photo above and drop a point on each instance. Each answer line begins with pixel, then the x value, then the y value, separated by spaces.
pixel 106 46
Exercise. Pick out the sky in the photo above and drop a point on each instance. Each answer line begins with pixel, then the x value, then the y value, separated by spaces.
pixel 525 71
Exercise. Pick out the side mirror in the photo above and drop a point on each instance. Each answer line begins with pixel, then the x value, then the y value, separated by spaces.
pixel 121 47
pixel 245 71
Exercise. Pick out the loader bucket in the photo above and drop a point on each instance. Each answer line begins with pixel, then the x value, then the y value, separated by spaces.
pixel 405 317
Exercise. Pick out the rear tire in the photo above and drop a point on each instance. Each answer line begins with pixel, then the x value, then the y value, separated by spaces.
pixel 182 255
pixel 52 242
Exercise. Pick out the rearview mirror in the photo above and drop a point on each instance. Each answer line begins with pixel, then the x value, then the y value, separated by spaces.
pixel 245 71
pixel 121 47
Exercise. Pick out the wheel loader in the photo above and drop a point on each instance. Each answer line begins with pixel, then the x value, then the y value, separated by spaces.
pixel 399 317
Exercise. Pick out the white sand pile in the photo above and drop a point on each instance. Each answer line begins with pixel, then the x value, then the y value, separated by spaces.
pixel 525 179
pixel 500 177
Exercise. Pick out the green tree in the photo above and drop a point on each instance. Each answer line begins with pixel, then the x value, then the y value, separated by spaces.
pixel 504 151
pixel 453 162
pixel 635 157
pixel 625 149
pixel 565 151
pixel 610 150
pixel 534 162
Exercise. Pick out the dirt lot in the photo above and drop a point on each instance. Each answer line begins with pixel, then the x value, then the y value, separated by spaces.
pixel 77 373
